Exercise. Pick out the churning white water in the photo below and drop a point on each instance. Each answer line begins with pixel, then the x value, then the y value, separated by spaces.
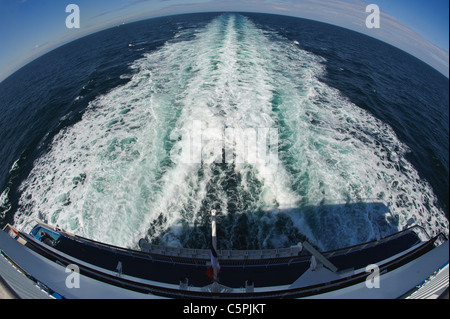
pixel 234 118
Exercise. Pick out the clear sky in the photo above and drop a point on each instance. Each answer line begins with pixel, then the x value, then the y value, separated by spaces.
pixel 427 17
pixel 30 28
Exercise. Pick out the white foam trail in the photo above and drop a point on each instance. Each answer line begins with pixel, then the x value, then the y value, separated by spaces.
pixel 344 154
pixel 221 95
pixel 124 166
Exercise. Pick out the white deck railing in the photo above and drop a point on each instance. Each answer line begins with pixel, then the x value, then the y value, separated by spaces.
pixel 222 254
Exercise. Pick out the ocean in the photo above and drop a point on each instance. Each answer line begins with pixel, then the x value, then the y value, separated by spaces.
pixel 289 128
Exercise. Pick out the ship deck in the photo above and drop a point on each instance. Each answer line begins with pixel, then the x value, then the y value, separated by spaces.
pixel 176 272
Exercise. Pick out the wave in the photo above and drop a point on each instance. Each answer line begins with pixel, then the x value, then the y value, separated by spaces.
pixel 234 118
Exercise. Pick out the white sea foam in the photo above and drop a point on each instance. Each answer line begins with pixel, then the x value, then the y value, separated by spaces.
pixel 124 165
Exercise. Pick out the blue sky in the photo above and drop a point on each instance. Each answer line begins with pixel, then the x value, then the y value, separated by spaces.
pixel 428 18
pixel 30 28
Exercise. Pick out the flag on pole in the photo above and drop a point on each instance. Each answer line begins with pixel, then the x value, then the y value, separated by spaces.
pixel 215 267
pixel 214 264
pixel 214 259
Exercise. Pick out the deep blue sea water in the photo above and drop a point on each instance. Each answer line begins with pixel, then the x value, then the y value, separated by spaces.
pixel 98 136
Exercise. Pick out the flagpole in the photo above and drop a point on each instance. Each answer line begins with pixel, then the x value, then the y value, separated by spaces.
pixel 214 237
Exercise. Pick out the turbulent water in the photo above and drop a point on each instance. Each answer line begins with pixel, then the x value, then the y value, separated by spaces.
pixel 230 116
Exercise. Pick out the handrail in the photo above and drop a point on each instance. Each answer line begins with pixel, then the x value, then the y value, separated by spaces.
pixel 223 254
pixel 283 291
pixel 290 252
